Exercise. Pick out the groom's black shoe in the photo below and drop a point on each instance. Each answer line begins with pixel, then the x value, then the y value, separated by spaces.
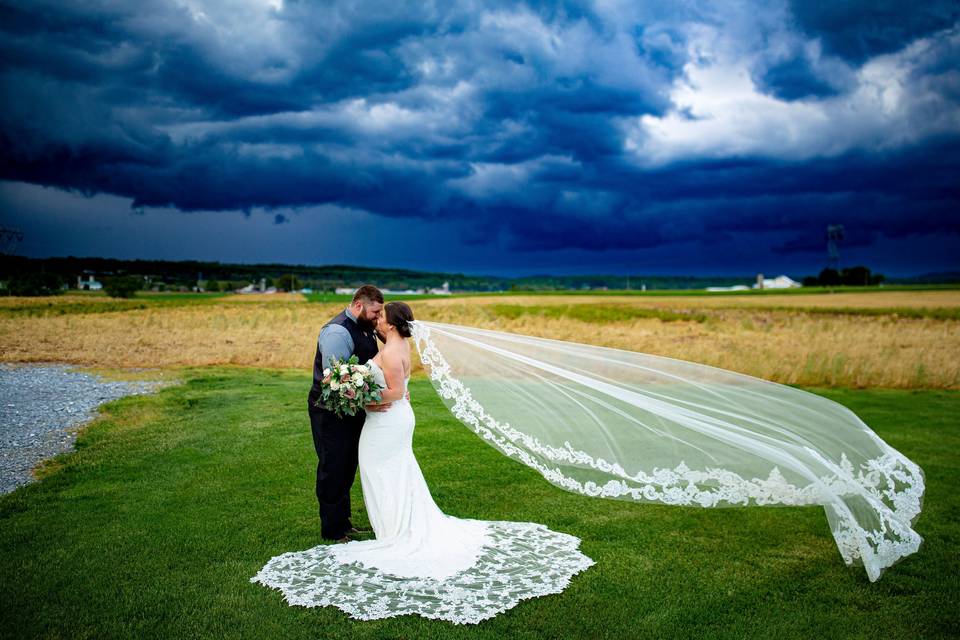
pixel 359 534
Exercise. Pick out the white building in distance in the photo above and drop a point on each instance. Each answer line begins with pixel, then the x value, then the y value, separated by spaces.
pixel 780 282
pixel 437 291
pixel 90 285
pixel 736 287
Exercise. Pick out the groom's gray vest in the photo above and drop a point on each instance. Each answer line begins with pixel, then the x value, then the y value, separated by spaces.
pixel 364 347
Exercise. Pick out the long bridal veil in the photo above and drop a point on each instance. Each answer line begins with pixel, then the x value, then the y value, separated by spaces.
pixel 619 424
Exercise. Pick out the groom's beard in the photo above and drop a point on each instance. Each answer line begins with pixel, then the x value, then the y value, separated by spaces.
pixel 367 325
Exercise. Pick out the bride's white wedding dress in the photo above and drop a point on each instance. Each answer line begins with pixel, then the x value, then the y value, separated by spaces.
pixel 422 560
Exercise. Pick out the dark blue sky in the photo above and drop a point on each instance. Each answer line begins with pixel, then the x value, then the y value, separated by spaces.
pixel 494 137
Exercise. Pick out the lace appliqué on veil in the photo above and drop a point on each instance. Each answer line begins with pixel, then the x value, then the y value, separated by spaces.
pixel 891 484
pixel 521 560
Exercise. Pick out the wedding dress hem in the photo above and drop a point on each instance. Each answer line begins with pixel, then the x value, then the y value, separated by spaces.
pixel 524 560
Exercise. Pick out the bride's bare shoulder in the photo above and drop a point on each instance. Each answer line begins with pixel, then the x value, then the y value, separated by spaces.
pixel 398 352
pixel 401 350
pixel 390 352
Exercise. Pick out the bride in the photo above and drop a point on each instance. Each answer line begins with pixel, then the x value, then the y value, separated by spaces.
pixel 422 561
pixel 599 422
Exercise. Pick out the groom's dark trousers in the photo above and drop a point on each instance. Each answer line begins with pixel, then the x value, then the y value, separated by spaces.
pixel 336 441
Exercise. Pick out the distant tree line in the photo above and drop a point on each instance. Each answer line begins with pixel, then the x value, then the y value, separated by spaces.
pixel 35 284
pixel 858 276
pixel 122 286
pixel 176 275
pixel 47 276
pixel 215 276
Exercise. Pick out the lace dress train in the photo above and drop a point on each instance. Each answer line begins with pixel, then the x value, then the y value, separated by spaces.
pixel 422 560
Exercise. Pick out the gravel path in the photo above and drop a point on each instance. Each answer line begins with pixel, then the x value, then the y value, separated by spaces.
pixel 41 407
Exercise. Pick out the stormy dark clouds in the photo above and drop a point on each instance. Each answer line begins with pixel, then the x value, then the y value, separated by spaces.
pixel 670 137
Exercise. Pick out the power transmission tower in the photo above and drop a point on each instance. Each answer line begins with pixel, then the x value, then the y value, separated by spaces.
pixel 834 235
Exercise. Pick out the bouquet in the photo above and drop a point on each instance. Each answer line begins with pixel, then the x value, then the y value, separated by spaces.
pixel 348 387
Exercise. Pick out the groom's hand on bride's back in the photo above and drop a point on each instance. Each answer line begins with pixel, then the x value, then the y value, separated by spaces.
pixel 377 408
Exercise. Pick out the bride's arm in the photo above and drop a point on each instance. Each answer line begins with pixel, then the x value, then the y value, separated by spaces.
pixel 393 372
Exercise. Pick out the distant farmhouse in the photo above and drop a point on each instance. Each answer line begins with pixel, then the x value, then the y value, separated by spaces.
pixel 780 282
pixel 89 285
pixel 437 291
pixel 258 288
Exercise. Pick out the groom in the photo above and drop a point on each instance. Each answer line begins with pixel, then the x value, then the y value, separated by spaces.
pixel 336 439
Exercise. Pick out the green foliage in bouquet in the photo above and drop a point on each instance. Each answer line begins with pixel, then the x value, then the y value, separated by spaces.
pixel 347 387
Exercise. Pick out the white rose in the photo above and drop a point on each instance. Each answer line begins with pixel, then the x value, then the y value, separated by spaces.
pixel 358 379
pixel 344 370
pixel 334 385
pixel 326 372
pixel 362 368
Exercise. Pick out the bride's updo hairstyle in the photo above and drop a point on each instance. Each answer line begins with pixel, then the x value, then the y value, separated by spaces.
pixel 400 316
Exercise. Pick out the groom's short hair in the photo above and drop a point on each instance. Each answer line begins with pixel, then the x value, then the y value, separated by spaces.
pixel 368 293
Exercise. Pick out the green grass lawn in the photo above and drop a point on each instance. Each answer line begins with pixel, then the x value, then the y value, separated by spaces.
pixel 153 527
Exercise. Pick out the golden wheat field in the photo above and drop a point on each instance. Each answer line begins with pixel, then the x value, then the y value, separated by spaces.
pixel 879 339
